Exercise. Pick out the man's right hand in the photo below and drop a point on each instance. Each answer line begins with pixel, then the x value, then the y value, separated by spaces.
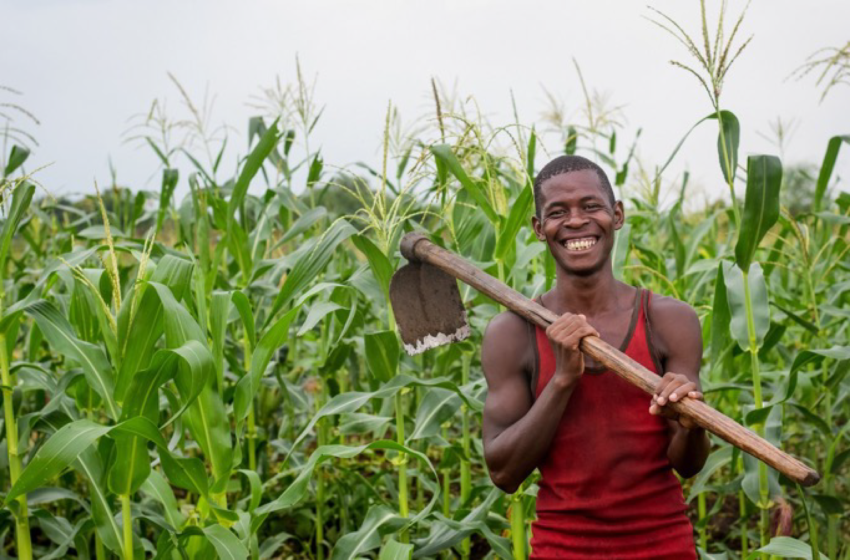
pixel 565 336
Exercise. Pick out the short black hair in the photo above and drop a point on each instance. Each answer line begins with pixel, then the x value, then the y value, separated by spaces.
pixel 568 164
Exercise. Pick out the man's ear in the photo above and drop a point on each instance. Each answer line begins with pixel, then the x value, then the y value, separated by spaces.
pixel 537 226
pixel 619 215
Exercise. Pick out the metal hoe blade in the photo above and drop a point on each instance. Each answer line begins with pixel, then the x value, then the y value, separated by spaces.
pixel 427 307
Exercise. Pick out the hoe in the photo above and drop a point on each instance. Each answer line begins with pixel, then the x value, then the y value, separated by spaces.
pixel 429 312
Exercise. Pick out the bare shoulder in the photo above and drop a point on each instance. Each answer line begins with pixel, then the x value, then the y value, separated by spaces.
pixel 675 326
pixel 666 310
pixel 506 346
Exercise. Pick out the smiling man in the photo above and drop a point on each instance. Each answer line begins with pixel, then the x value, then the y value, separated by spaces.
pixel 605 451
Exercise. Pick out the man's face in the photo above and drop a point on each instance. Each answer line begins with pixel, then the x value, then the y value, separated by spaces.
pixel 577 221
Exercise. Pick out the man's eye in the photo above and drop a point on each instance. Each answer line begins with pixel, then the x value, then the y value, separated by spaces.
pixel 556 214
pixel 593 207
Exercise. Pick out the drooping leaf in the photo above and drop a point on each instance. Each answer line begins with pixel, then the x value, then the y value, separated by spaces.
pixel 444 153
pixel 826 168
pixel 761 206
pixel 382 353
pixel 760 307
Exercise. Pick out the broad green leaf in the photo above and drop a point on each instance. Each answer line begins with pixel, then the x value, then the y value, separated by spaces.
pixel 141 323
pixel 56 454
pixel 730 123
pixel 157 487
pixel 88 464
pixel 252 164
pixel 438 406
pixel 169 183
pixel 296 491
pixel 788 547
pixel 761 206
pixel 378 261
pixel 59 333
pixel 720 319
pixel 382 353
pixel 311 264
pixel 521 211
pixel 443 152
pixel 727 143
pixel 621 250
pixel 394 550
pixel 271 341
pixel 193 364
pixel 307 220
pixel 225 543
pixel 826 169
pixel 21 199
pixel 353 400
pixel 368 537
pixel 717 460
pixel 737 305
pixel 318 311
pixel 17 156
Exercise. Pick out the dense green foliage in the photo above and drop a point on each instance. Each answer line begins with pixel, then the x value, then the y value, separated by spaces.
pixel 220 373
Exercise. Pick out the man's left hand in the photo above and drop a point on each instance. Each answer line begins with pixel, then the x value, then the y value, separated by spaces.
pixel 672 388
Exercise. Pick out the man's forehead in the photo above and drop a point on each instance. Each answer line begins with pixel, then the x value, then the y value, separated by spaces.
pixel 584 184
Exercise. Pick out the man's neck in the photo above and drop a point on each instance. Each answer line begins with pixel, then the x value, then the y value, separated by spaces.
pixel 590 295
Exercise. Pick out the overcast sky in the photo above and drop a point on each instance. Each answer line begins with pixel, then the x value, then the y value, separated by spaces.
pixel 86 66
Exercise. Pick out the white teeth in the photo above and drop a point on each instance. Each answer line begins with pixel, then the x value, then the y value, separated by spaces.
pixel 580 244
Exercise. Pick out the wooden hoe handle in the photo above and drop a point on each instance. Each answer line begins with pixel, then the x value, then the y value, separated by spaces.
pixel 416 247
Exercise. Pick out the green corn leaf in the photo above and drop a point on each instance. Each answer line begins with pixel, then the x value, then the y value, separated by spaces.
pixel 394 550
pixel 731 130
pixel 56 454
pixel 59 333
pixel 382 353
pixel 89 465
pixel 225 543
pixel 307 220
pixel 437 407
pixel 353 400
pixel 253 163
pixel 192 363
pixel 368 537
pixel 381 266
pixel 826 168
pixel 731 137
pixel 761 206
pixel 717 460
pixel 621 250
pixel 789 547
pixel 296 491
pixel 734 279
pixel 141 325
pixel 318 311
pixel 169 184
pixel 21 199
pixel 17 156
pixel 271 341
pixel 311 264
pixel 444 153
pixel 720 318
pixel 157 488
pixel 519 215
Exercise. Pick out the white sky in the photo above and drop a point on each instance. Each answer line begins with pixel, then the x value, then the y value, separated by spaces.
pixel 86 66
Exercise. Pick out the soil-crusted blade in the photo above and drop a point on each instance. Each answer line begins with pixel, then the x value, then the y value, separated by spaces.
pixel 427 307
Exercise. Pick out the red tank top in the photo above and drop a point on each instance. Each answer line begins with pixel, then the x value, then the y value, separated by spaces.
pixel 607 487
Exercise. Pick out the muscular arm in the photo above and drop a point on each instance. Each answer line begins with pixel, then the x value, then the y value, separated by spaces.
pixel 517 430
pixel 677 335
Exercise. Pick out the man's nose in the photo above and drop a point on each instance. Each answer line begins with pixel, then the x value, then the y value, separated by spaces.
pixel 576 220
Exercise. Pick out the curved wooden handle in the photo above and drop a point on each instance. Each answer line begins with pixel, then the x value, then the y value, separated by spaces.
pixel 417 247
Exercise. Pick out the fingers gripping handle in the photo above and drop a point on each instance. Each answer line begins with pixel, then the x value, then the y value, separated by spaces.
pixel 417 247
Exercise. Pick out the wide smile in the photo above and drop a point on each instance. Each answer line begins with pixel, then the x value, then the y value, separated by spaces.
pixel 579 245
